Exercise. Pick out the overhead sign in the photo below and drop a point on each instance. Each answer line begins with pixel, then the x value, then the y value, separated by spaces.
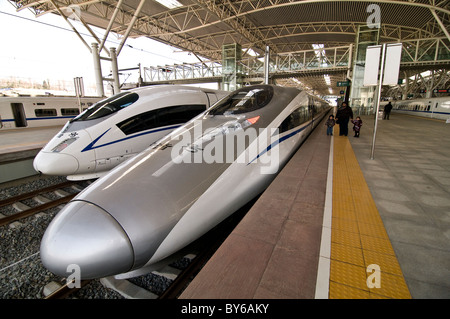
pixel 391 64
pixel 343 83
pixel 372 65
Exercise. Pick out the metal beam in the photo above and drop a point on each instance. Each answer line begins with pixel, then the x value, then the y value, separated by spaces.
pixel 71 26
pixel 130 26
pixel 444 29
pixel 110 24
pixel 226 13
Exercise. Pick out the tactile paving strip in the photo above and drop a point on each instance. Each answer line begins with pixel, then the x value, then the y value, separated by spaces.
pixel 363 262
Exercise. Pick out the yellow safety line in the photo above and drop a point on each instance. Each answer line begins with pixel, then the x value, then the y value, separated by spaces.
pixel 362 257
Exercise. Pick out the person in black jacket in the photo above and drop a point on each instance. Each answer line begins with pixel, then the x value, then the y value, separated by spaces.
pixel 387 111
pixel 343 115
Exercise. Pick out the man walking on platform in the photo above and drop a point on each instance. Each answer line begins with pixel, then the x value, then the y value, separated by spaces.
pixel 387 111
pixel 343 115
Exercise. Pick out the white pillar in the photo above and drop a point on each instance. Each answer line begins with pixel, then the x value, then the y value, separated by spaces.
pixel 97 70
pixel 115 70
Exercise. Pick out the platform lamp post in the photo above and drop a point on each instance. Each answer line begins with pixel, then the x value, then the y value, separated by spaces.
pixel 388 74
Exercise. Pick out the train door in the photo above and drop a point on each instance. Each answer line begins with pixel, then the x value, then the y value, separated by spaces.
pixel 19 114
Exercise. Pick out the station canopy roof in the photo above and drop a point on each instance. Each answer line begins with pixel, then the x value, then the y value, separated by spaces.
pixel 203 27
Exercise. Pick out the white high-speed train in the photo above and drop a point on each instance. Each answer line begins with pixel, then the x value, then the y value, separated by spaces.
pixel 172 193
pixel 119 127
pixel 18 112
pixel 436 107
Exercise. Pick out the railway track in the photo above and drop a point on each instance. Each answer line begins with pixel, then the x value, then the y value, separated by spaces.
pixel 166 283
pixel 39 199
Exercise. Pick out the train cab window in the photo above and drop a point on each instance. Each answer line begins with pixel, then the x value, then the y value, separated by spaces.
pixel 70 112
pixel 244 100
pixel 44 112
pixel 173 115
pixel 108 106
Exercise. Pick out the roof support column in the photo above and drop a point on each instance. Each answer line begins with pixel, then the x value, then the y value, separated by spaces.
pixel 406 89
pixel 115 70
pixel 97 70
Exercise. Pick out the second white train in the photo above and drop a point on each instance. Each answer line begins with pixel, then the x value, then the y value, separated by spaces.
pixel 437 107
pixel 119 127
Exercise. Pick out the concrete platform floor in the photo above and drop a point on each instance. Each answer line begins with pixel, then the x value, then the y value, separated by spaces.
pixel 274 252
pixel 26 138
pixel 409 179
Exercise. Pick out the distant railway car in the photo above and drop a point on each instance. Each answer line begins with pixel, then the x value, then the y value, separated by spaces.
pixel 119 127
pixel 40 111
pixel 172 193
pixel 437 107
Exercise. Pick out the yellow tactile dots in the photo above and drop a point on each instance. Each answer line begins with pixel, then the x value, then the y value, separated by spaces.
pixel 363 262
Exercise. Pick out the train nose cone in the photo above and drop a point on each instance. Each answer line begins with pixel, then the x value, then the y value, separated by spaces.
pixel 55 163
pixel 84 235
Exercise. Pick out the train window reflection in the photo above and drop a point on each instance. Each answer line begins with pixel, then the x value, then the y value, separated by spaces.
pixel 243 101
pixel 45 112
pixel 108 106
pixel 70 112
pixel 172 115
pixel 299 116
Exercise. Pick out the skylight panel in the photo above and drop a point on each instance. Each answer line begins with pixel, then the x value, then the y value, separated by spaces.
pixel 171 4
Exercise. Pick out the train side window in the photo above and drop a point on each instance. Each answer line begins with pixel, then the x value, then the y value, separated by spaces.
pixel 69 112
pixel 160 117
pixel 45 112
pixel 296 118
pixel 178 114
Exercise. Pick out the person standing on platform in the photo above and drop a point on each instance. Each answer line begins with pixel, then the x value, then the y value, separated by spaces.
pixel 387 111
pixel 343 115
pixel 357 126
pixel 330 124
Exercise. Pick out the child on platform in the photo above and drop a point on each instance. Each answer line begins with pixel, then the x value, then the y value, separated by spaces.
pixel 329 124
pixel 357 126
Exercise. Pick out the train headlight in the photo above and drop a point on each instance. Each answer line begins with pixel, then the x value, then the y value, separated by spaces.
pixel 61 146
pixel 250 121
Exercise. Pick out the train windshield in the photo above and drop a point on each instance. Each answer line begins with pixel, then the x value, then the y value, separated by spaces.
pixel 108 106
pixel 243 101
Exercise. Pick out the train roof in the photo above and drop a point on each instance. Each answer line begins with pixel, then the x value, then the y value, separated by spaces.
pixel 162 87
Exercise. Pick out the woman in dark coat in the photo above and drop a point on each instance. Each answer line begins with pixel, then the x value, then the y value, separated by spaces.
pixel 343 115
